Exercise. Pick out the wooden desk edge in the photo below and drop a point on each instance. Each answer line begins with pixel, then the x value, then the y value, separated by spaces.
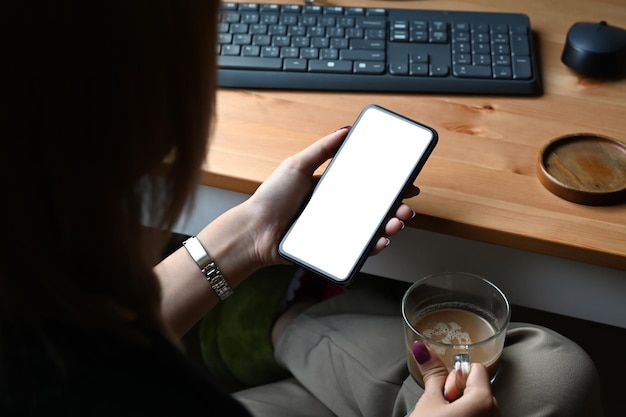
pixel 452 228
pixel 521 242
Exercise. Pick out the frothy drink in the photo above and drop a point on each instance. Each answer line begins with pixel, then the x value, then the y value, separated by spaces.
pixel 457 330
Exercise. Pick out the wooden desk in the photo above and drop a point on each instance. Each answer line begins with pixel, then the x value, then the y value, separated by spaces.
pixel 480 182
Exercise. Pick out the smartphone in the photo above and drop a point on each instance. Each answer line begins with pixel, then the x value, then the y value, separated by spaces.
pixel 357 194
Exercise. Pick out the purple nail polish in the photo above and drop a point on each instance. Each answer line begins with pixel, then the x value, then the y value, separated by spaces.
pixel 421 353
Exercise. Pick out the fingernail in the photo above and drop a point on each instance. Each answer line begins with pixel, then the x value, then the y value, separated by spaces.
pixel 387 241
pixel 403 225
pixel 345 127
pixel 413 213
pixel 421 353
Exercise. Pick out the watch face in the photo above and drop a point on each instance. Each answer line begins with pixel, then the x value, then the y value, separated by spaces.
pixel 197 252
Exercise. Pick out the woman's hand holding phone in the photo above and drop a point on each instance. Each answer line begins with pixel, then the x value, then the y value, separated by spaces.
pixel 359 194
pixel 277 201
pixel 396 223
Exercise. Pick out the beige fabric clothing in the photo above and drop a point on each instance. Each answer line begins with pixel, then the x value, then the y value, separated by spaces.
pixel 348 359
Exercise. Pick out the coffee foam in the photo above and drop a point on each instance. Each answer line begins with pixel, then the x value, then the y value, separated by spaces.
pixel 448 333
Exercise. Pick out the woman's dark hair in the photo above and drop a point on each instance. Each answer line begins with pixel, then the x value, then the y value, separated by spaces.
pixel 105 118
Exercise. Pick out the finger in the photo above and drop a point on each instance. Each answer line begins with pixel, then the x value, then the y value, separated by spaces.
pixel 381 244
pixel 478 378
pixel 405 212
pixel 393 226
pixel 397 223
pixel 478 395
pixel 433 370
pixel 451 390
pixel 456 384
pixel 314 155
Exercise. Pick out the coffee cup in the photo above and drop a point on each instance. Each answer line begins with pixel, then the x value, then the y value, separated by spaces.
pixel 461 317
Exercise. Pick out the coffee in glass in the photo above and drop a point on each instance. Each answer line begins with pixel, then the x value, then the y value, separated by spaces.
pixel 457 315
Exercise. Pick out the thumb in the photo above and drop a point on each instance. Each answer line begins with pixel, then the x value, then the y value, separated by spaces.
pixel 433 370
pixel 478 378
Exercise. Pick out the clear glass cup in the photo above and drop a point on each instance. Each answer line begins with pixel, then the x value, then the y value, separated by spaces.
pixel 459 316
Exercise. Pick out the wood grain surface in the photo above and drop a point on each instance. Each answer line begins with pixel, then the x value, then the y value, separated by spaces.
pixel 481 181
pixel 585 168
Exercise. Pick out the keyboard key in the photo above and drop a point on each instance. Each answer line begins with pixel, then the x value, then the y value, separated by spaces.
pixel 502 72
pixel 482 48
pixel 367 44
pixel 317 65
pixel 472 71
pixel 329 53
pixel 419 69
pixel 399 69
pixel 371 23
pixel 462 59
pixel 439 70
pixel 231 50
pixel 519 45
pixel 369 67
pixel 361 55
pixel 522 68
pixel 480 59
pixel 419 57
pixel 419 36
pixel 250 50
pixel 270 52
pixel 251 63
pixel 295 65
pixel 439 37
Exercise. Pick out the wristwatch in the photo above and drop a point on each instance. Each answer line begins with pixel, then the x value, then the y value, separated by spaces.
pixel 208 267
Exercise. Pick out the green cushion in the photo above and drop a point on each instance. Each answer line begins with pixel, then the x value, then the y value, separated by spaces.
pixel 235 337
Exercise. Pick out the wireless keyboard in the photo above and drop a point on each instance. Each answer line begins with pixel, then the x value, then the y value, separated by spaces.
pixel 316 47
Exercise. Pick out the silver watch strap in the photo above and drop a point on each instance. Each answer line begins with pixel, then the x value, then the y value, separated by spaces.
pixel 208 267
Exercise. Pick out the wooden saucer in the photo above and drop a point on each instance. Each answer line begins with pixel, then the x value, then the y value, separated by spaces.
pixel 584 168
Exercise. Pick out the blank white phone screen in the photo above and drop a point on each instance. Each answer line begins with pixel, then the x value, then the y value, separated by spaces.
pixel 357 191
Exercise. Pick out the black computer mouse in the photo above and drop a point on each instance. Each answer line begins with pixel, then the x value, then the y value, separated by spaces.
pixel 596 50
